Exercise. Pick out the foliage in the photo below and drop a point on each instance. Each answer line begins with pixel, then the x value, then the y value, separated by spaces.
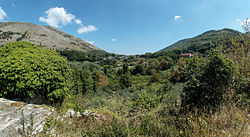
pixel 89 77
pixel 204 42
pixel 139 69
pixel 163 65
pixel 24 35
pixel 74 55
pixel 28 70
pixel 166 87
pixel 153 64
pixel 125 68
pixel 239 52
pixel 146 100
pixel 142 95
pixel 242 86
pixel 8 34
pixel 177 75
pixel 99 80
pixel 124 81
pixel 87 81
pixel 163 120
pixel 191 66
pixel 209 85
pixel 155 77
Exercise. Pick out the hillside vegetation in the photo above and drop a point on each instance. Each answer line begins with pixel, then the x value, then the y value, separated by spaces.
pixel 154 94
pixel 204 41
pixel 29 71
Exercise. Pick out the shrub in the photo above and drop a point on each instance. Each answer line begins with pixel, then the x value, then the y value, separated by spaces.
pixel 177 75
pixel 155 77
pixel 146 100
pixel 99 80
pixel 209 85
pixel 166 87
pixel 163 65
pixel 87 81
pixel 124 81
pixel 83 76
pixel 242 86
pixel 27 70
pixel 139 69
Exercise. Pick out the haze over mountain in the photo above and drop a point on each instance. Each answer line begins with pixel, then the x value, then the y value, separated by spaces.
pixel 46 36
pixel 204 41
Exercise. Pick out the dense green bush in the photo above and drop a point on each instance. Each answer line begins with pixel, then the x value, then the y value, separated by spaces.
pixel 166 87
pixel 209 85
pixel 139 68
pixel 242 86
pixel 125 81
pixel 83 76
pixel 146 100
pixel 27 70
pixel 177 75
pixel 87 81
pixel 155 77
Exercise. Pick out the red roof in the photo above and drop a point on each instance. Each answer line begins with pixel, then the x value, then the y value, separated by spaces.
pixel 187 54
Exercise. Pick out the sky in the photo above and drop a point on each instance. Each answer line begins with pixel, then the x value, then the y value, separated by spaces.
pixel 129 26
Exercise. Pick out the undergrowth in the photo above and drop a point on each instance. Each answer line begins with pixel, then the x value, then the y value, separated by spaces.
pixel 164 119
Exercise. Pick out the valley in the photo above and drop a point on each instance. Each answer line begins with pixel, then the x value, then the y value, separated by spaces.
pixel 195 87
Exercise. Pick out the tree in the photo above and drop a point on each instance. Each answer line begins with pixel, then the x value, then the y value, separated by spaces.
pixel 239 51
pixel 87 81
pixel 99 80
pixel 246 25
pixel 153 64
pixel 27 70
pixel 124 81
pixel 125 68
pixel 163 65
pixel 209 85
pixel 139 68
pixel 155 77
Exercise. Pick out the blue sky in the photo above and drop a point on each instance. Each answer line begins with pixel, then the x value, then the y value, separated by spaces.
pixel 129 26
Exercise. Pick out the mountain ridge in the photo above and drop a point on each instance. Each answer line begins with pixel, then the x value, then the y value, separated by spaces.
pixel 47 36
pixel 203 41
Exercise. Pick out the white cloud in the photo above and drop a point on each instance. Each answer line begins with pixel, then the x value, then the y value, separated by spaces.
pixel 57 16
pixel 2 14
pixel 78 21
pixel 86 29
pixel 91 42
pixel 114 40
pixel 177 17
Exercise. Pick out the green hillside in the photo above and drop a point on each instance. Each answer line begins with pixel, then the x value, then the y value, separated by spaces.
pixel 204 41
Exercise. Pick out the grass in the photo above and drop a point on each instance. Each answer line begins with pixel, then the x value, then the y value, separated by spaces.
pixel 122 118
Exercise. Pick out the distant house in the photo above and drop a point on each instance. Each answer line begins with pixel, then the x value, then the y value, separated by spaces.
pixel 124 57
pixel 187 55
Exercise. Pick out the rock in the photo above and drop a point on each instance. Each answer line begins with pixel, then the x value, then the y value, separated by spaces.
pixel 86 113
pixel 78 114
pixel 53 133
pixel 70 113
pixel 11 117
pixel 58 118
pixel 97 115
